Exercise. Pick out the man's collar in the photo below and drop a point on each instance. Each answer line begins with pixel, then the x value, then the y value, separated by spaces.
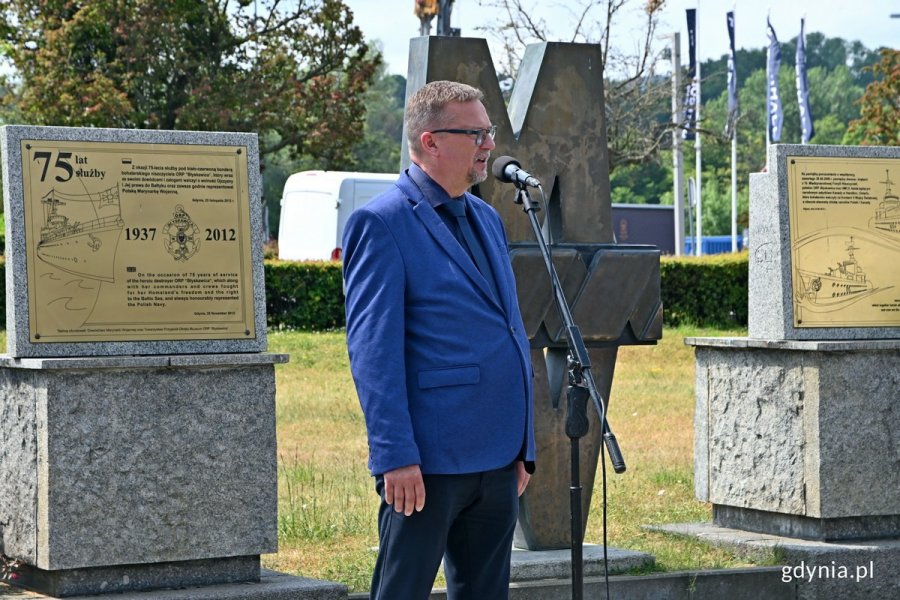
pixel 434 194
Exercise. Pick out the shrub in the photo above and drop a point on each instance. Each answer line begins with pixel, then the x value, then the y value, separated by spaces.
pixel 706 290
pixel 304 295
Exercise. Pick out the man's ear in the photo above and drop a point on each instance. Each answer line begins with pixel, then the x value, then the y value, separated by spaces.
pixel 429 143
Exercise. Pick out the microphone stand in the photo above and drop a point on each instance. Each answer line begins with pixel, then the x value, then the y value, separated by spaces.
pixel 581 386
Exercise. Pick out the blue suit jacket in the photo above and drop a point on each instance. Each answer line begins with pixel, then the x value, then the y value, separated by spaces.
pixel 442 368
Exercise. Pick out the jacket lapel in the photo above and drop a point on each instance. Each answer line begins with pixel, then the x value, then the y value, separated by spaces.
pixel 499 261
pixel 448 243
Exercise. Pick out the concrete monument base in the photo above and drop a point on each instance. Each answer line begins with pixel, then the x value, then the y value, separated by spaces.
pixel 129 473
pixel 117 579
pixel 799 437
pixel 730 584
pixel 532 565
pixel 848 570
pixel 270 586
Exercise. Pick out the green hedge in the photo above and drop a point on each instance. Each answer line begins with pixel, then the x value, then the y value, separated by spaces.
pixel 304 295
pixel 711 290
pixel 706 291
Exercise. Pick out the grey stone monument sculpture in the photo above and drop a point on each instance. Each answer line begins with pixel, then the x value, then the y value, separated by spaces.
pixel 556 127
pixel 797 427
pixel 137 421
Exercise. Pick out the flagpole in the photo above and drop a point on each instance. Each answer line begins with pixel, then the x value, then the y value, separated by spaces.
pixel 768 105
pixel 734 247
pixel 677 153
pixel 801 43
pixel 807 130
pixel 699 247
pixel 734 244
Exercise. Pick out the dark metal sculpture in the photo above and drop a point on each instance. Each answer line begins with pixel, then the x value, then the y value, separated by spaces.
pixel 556 127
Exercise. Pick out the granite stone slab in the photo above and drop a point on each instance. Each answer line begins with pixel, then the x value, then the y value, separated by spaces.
pixel 529 565
pixel 714 584
pixel 136 362
pixel 798 345
pixel 137 465
pixel 135 578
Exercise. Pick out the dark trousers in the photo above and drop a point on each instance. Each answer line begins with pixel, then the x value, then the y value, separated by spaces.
pixel 468 520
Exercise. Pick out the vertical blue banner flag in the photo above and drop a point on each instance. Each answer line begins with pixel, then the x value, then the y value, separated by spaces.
pixel 773 62
pixel 732 81
pixel 690 91
pixel 806 123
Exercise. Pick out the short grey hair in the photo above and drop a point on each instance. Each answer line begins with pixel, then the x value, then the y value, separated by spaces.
pixel 425 109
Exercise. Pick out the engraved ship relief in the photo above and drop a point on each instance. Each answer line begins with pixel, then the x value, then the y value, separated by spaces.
pixel 836 287
pixel 83 241
pixel 887 215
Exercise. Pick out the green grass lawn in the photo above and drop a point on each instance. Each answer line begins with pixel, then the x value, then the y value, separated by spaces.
pixel 327 503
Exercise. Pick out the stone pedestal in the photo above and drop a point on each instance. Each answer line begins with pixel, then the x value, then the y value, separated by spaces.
pixel 129 473
pixel 796 437
pixel 799 439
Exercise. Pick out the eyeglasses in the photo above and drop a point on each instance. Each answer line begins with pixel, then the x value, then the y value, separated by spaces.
pixel 480 134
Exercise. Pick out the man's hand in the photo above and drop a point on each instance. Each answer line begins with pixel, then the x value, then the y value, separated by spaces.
pixel 522 476
pixel 405 490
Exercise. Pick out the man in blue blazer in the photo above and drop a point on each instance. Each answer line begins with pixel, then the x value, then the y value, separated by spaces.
pixel 440 359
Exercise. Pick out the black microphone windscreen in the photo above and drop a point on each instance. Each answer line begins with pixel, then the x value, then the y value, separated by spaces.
pixel 499 168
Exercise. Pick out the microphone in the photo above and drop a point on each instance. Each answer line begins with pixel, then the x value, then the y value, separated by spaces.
pixel 508 170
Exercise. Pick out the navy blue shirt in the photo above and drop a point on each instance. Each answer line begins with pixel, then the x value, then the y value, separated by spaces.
pixel 436 196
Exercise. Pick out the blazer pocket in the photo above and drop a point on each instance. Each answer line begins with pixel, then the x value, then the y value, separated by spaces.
pixel 461 375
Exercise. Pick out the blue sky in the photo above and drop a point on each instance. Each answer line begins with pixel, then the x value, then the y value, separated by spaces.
pixel 392 22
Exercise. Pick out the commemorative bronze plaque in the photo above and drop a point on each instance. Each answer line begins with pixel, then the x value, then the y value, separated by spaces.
pixel 136 241
pixel 845 241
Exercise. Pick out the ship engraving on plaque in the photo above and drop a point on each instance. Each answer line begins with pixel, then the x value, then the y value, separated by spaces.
pixel 80 233
pixel 835 287
pixel 887 215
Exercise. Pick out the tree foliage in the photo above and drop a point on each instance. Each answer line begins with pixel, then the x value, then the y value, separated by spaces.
pixel 379 149
pixel 293 72
pixel 879 122
pixel 634 96
pixel 376 150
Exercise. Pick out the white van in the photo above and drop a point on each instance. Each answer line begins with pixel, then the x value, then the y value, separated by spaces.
pixel 315 206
